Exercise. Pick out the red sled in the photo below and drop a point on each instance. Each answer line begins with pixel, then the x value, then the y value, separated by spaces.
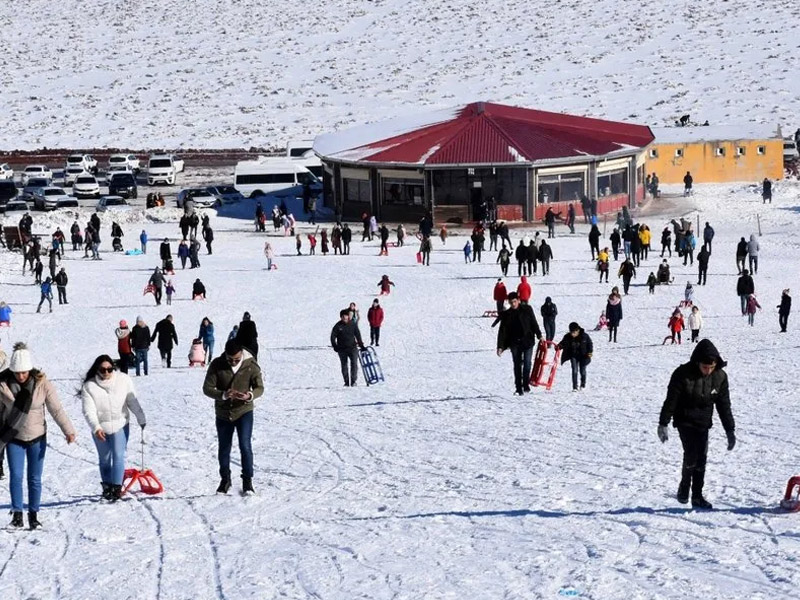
pixel 147 480
pixel 384 253
pixel 791 499
pixel 197 363
pixel 5 323
pixel 490 313
pixel 419 257
pixel 149 289
pixel 545 364
pixel 274 267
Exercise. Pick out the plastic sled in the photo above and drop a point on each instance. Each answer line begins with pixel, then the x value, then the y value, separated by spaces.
pixel 419 257
pixel 5 323
pixel 791 499
pixel 201 297
pixel 490 313
pixel 147 480
pixel 149 289
pixel 685 304
pixel 197 363
pixel 545 364
pixel 274 267
pixel 133 252
pixel 370 365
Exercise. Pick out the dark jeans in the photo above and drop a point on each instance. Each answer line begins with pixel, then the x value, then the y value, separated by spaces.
pixel 549 329
pixel 666 248
pixel 546 267
pixel 157 294
pixel 695 334
pixel 124 362
pixel 695 450
pixel 243 426
pixel 740 262
pixel 753 265
pixel 350 375
pixel 578 365
pixel 62 294
pixel 374 335
pixel 141 361
pixel 702 275
pixel 626 283
pixel 522 366
pixel 612 332
pixel 783 321
pixel 166 354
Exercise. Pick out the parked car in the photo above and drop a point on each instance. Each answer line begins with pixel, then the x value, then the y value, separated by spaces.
pixel 129 160
pixel 33 184
pixel 8 191
pixel 86 186
pixel 6 172
pixel 15 205
pixel 71 173
pixel 226 194
pixel 201 197
pixel 790 152
pixel 68 202
pixel 82 160
pixel 123 184
pixel 37 171
pixel 163 168
pixel 47 198
pixel 116 169
pixel 112 203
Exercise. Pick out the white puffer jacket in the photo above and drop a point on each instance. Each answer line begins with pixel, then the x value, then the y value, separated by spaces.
pixel 695 320
pixel 106 404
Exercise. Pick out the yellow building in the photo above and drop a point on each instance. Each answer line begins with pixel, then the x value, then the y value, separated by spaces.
pixel 716 154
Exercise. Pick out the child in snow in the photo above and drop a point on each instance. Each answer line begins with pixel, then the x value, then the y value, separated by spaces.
pixel 116 244
pixel 269 254
pixel 602 264
pixel 443 234
pixel 467 252
pixel 695 323
pixel 170 289
pixel 5 314
pixel 38 270
pixel 234 332
pixel 675 325
pixel 197 355
pixel 602 323
pixel 385 284
pixel 312 242
pixel 651 282
pixel 688 294
pixel 299 244
pixel 750 309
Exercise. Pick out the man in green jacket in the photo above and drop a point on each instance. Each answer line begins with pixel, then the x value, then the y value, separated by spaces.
pixel 234 382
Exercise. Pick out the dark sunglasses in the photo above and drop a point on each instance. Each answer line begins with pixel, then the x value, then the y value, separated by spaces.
pixel 232 360
pixel 105 370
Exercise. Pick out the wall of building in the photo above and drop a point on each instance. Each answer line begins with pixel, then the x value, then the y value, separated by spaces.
pixel 706 166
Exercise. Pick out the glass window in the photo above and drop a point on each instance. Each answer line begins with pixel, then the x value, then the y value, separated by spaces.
pixel 403 191
pixel 561 188
pixel 612 182
pixel 450 187
pixel 356 190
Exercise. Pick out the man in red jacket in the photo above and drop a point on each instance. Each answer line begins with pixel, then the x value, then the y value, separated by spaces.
pixel 375 319
pixel 524 290
pixel 500 295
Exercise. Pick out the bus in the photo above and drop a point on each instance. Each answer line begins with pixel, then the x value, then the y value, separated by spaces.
pixel 253 178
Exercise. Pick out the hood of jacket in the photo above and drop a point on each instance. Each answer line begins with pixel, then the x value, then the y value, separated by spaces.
pixel 524 279
pixel 706 350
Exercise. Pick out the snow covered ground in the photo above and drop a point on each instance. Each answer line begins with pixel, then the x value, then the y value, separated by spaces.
pixel 439 483
pixel 223 74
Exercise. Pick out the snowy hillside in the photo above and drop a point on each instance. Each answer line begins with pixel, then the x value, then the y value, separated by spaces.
pixel 438 483
pixel 217 73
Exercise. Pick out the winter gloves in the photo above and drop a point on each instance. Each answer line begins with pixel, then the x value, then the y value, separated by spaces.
pixel 662 433
pixel 731 439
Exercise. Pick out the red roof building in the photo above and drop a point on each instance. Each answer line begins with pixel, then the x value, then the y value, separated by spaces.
pixel 483 161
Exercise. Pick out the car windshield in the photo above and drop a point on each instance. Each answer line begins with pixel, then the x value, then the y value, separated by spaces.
pixel 34 169
pixel 160 163
pixel 74 159
pixel 117 159
pixel 85 180
pixel 226 189
pixel 37 182
pixel 69 202
pixel 123 179
pixel 75 170
pixel 115 202
pixel 53 192
pixel 7 189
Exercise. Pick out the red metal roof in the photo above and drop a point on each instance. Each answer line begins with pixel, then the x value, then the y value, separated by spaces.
pixel 494 133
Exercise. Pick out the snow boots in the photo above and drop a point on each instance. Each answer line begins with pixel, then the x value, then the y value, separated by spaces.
pixel 16 519
pixel 247 486
pixel 111 492
pixel 106 495
pixel 33 521
pixel 683 491
pixel 224 485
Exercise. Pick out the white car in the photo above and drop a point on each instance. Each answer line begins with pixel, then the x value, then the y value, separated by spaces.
pixel 48 198
pixel 32 171
pixel 201 197
pixel 82 160
pixel 117 168
pixel 128 160
pixel 112 203
pixel 16 205
pixel 790 151
pixel 86 186
pixel 71 173
pixel 163 168
pixel 6 172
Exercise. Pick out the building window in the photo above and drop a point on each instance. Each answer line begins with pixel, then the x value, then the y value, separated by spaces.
pixel 740 150
pixel 719 151
pixel 403 191
pixel 612 182
pixel 678 152
pixel 653 153
pixel 566 187
pixel 761 150
pixel 356 190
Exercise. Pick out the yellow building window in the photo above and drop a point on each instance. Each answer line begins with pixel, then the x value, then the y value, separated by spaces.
pixel 653 152
pixel 719 151
pixel 740 151
pixel 761 150
pixel 678 152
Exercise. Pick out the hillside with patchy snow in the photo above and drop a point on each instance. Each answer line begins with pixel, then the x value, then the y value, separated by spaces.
pixel 222 74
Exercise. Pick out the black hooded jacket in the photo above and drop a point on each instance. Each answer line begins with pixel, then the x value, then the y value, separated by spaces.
pixel 518 327
pixel 691 396
pixel 579 347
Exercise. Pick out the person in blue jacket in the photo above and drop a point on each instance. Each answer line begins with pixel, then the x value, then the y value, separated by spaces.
pixel 5 313
pixel 207 335
pixel 689 244
pixel 47 294
pixel 183 253
pixel 143 240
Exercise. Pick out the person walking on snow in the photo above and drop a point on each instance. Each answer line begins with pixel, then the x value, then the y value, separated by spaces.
pixel 666 242
pixel 752 251
pixel 504 258
pixel 752 306
pixel 744 287
pixel 165 330
pixel 143 241
pixel 298 244
pixel 766 190
pixel 126 356
pixel 140 342
pixel 386 285
pixel 312 244
pixel 676 326
pixel 25 394
pixel 616 240
pixel 208 236
pixel 518 332
pixel 702 265
pixel 695 323
pixel 207 336
pixel 602 264
pixel 652 281
pixel 165 252
pixel 61 281
pixel 694 390
pixel 346 342
pixel 577 348
pixel 467 252
pixel 375 320
pixel 532 256
pixel 234 382
pixel 108 399
pixel 784 308
pixel 545 254
pixel 627 271
pixel 549 312
pixel 521 254
pixel 157 281
pixel 741 254
pixel 169 289
pixel 708 237
pixel 247 335
pixel 269 254
pixel 384 232
pixel 688 294
pixel 594 241
pixel 47 294
pixel 613 313
pixel 688 181
pixel 500 294
pixel 524 290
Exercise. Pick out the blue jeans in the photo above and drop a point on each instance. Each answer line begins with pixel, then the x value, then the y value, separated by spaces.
pixel 209 349
pixel 141 357
pixel 578 366
pixel 626 248
pixel 144 247
pixel 112 455
pixel 243 427
pixel 17 454
pixel 522 366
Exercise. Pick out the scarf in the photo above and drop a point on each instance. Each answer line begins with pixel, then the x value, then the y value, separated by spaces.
pixel 13 418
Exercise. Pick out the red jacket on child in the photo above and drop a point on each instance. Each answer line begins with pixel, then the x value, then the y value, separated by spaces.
pixel 500 292
pixel 375 316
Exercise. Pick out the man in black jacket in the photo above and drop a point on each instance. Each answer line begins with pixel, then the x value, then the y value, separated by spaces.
pixel 744 287
pixel 346 342
pixel 518 332
pixel 741 254
pixel 576 347
pixel 165 331
pixel 521 254
pixel 165 252
pixel 695 388
pixel 140 343
pixel 61 281
pixel 247 335
pixel 347 235
pixel 702 265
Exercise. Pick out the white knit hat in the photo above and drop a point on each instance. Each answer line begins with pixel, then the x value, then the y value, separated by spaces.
pixel 20 359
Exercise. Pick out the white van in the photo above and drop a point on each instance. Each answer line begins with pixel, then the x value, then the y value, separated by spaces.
pixel 254 178
pixel 163 168
pixel 302 151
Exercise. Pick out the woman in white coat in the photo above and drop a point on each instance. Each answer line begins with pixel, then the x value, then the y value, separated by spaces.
pixel 108 397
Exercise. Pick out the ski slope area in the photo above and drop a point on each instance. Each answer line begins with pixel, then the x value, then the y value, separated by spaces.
pixel 438 483
pixel 222 74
